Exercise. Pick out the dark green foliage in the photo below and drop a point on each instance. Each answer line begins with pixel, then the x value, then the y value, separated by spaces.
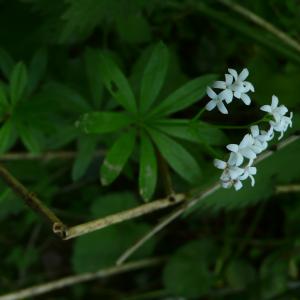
pixel 96 96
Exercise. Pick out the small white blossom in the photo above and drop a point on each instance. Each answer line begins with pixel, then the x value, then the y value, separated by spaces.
pixel 235 85
pixel 216 101
pixel 282 125
pixel 261 138
pixel 276 111
pixel 249 171
pixel 244 149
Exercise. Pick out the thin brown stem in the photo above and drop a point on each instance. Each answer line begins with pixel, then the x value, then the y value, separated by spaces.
pixel 289 188
pixel 71 280
pixel 32 201
pixel 262 23
pixel 123 216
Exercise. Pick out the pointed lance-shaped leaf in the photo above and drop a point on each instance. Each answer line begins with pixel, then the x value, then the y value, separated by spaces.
pixel 148 168
pixel 154 76
pixel 184 97
pixel 18 82
pixel 116 83
pixel 103 122
pixel 181 161
pixel 117 157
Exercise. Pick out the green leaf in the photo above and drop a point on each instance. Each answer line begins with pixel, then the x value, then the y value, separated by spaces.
pixel 116 83
pixel 184 97
pixel 239 273
pixel 30 137
pixel 102 248
pixel 3 100
pixel 86 149
pixel 117 157
pixel 7 136
pixel 18 82
pixel 188 271
pixel 103 122
pixel 148 168
pixel 93 73
pixel 6 63
pixel 177 157
pixel 37 69
pixel 154 76
pixel 201 132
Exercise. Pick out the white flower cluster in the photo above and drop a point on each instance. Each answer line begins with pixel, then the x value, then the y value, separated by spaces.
pixel 235 170
pixel 233 86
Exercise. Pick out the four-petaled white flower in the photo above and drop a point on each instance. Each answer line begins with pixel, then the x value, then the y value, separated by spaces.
pixel 282 124
pixel 244 149
pixel 216 100
pixel 234 86
pixel 276 111
pixel 249 171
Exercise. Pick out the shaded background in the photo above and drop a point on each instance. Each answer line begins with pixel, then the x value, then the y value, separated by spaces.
pixel 241 245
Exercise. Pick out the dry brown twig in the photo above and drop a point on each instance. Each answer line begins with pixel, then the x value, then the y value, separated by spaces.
pixel 71 280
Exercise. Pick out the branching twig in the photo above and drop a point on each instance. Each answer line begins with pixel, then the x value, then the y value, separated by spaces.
pixel 32 201
pixel 262 23
pixel 71 280
pixel 177 212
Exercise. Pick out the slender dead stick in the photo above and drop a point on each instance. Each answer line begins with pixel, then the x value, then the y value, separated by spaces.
pixel 178 211
pixel 123 216
pixel 262 23
pixel 32 201
pixel 289 188
pixel 71 280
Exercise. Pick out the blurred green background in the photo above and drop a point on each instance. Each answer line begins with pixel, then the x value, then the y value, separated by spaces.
pixel 232 245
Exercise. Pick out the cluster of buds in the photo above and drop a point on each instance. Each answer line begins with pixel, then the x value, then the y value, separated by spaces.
pixel 239 166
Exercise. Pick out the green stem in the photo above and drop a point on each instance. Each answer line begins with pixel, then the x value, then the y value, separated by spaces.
pixel 199 114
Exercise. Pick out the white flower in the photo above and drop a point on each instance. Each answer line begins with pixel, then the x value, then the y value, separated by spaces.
pixel 282 124
pixel 235 85
pixel 244 149
pixel 216 101
pixel 230 172
pixel 240 87
pixel 276 111
pixel 261 138
pixel 237 184
pixel 249 171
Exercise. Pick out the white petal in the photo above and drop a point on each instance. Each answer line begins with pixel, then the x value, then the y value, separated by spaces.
pixel 252 170
pixel 219 85
pixel 233 147
pixel 227 95
pixel 211 105
pixel 254 130
pixel 235 172
pixel 252 180
pixel 211 94
pixel 228 79
pixel 244 176
pixel 238 185
pixel 246 141
pixel 282 110
pixel 238 93
pixel 248 153
pixel 246 99
pixel 266 108
pixel 233 73
pixel 274 103
pixel 248 86
pixel 244 74
pixel 222 108
pixel 220 164
pixel 239 159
